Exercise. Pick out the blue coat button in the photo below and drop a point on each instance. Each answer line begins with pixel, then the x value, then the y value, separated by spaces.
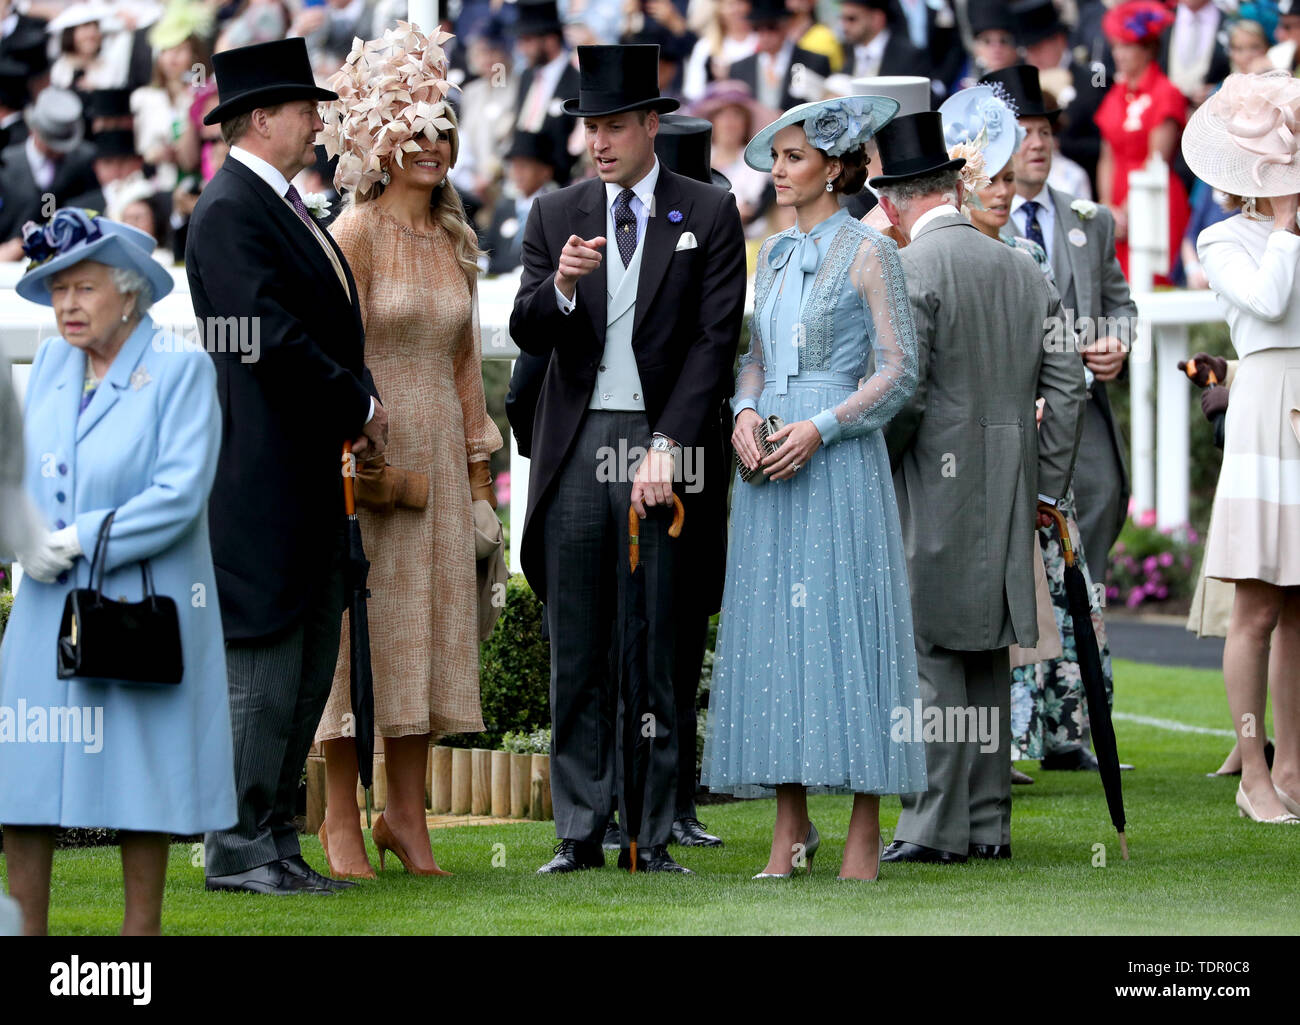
pixel 61 497
pixel 59 524
pixel 63 469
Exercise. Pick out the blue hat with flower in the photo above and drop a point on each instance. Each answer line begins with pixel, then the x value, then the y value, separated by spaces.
pixel 73 235
pixel 833 126
pixel 982 119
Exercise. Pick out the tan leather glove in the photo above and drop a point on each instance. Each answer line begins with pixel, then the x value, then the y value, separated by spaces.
pixel 381 488
pixel 480 482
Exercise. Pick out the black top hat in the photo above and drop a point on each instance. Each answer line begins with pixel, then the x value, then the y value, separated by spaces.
pixel 1036 20
pixel 614 79
pixel 116 142
pixel 766 12
pixel 1020 82
pixel 986 15
pixel 263 75
pixel 13 84
pixel 685 144
pixel 534 146
pixel 537 18
pixel 108 103
pixel 911 146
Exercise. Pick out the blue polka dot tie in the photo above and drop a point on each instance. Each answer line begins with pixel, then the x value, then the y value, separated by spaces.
pixel 625 225
pixel 1032 231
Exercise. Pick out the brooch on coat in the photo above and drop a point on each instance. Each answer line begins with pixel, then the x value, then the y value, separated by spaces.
pixel 139 378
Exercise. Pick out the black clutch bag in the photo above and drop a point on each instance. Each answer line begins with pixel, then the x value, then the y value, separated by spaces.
pixel 137 642
pixel 768 425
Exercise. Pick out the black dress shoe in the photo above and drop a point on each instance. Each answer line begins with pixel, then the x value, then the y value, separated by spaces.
pixel 901 850
pixel 654 859
pixel 272 878
pixel 1080 759
pixel 691 832
pixel 573 856
pixel 990 851
pixel 613 836
pixel 297 866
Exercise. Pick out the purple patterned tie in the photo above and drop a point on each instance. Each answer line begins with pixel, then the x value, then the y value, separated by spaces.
pixel 296 202
pixel 625 225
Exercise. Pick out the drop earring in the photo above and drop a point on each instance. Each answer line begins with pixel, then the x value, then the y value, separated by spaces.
pixel 385 178
pixel 125 318
pixel 829 186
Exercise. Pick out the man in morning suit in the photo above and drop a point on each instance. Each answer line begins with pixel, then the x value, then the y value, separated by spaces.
pixel 968 464
pixel 633 287
pixel 779 74
pixel 288 404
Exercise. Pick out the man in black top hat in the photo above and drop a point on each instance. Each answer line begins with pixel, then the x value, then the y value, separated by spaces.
pixel 530 172
pixel 780 74
pixel 633 288
pixel 13 98
pixel 1078 84
pixel 22 40
pixel 276 510
pixel 547 82
pixel 980 313
pixel 117 166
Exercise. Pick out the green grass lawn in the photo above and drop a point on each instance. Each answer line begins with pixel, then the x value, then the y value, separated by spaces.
pixel 1196 867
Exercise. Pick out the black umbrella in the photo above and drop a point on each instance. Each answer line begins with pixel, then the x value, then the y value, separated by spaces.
pixel 1085 643
pixel 632 681
pixel 355 570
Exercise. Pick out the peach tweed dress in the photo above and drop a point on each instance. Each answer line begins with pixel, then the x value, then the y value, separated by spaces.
pixel 422 347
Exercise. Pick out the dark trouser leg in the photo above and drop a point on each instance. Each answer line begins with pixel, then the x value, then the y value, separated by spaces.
pixel 320 654
pixel 692 634
pixel 581 585
pixel 263 678
pixel 1098 492
pixel 988 689
pixel 940 817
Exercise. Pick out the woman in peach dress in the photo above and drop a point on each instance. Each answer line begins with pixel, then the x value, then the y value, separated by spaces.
pixel 414 258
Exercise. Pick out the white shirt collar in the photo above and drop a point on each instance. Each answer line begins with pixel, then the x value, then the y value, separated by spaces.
pixel 8 24
pixel 1043 199
pixel 268 174
pixel 875 50
pixel 942 210
pixel 644 189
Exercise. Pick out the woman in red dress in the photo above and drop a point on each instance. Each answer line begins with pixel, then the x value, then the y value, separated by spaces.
pixel 1143 112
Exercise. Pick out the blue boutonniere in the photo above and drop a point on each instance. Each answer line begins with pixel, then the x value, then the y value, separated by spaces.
pixel 675 216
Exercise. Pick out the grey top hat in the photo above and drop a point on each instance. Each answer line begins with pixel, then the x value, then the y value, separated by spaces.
pixel 56 118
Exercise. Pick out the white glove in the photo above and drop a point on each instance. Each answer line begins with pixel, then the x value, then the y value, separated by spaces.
pixel 56 553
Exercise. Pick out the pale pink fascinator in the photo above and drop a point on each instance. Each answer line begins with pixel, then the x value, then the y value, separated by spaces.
pixel 391 91
pixel 1244 139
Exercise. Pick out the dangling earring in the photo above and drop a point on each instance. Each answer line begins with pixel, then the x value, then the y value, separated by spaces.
pixel 1248 209
pixel 829 186
pixel 385 178
pixel 125 318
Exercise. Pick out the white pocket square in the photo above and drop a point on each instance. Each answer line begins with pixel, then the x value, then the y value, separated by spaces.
pixel 687 241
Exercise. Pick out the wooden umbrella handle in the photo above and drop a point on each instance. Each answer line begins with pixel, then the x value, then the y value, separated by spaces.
pixel 634 530
pixel 1062 528
pixel 349 475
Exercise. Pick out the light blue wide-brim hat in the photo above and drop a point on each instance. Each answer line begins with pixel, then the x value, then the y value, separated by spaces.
pixel 980 116
pixel 834 126
pixel 73 235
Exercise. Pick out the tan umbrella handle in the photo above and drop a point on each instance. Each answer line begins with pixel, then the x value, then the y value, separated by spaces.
pixel 634 530
pixel 349 475
pixel 1062 527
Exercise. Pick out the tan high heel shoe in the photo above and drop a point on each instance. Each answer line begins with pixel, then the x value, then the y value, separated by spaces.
pixel 1288 802
pixel 369 873
pixel 1247 811
pixel 386 841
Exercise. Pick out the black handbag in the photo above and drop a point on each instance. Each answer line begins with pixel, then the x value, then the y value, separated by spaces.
pixel 137 642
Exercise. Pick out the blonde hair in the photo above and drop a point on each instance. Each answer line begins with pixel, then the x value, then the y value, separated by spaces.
pixel 445 205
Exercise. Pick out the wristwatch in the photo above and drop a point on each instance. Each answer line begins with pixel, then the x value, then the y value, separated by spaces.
pixel 662 443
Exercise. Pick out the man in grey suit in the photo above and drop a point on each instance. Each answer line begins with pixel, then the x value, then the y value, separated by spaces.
pixel 1095 296
pixel 968 463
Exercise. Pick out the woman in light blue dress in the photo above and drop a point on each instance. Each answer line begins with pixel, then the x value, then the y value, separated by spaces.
pixel 815 655
pixel 120 415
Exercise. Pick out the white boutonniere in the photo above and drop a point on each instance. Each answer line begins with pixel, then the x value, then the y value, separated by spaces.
pixel 1085 208
pixel 317 205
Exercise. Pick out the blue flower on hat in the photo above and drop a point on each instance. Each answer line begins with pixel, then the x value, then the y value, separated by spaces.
pixel 675 216
pixel 838 127
pixel 67 228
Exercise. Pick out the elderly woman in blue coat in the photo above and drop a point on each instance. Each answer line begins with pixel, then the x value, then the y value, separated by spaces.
pixel 120 415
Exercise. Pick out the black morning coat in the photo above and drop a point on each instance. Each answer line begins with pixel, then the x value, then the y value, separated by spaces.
pixel 686 328
pixel 278 494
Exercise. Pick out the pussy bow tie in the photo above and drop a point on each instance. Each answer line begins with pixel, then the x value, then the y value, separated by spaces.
pixel 805 245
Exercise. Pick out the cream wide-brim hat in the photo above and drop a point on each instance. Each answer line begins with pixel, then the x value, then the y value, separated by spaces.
pixel 1223 164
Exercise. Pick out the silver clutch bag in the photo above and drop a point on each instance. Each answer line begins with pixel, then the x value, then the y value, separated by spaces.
pixel 767 426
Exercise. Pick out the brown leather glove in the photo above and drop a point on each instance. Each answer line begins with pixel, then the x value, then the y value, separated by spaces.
pixel 1203 363
pixel 480 482
pixel 1214 401
pixel 382 488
